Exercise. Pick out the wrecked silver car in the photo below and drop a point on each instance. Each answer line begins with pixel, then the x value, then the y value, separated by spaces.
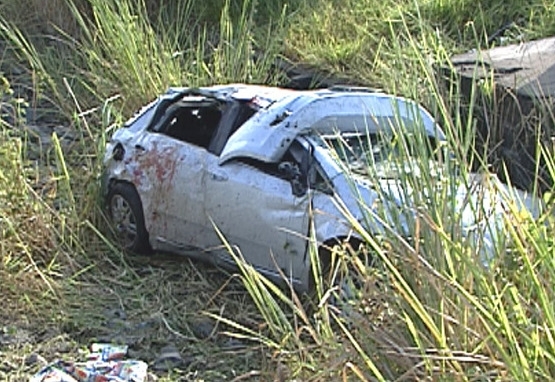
pixel 260 164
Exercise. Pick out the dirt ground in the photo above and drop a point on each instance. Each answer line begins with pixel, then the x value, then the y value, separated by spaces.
pixel 163 319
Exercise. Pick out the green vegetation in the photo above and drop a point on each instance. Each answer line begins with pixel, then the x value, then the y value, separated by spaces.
pixel 429 308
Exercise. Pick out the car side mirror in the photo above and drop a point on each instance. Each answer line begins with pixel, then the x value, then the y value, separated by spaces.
pixel 289 170
pixel 293 174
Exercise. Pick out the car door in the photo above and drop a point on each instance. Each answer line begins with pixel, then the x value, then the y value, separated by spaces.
pixel 169 176
pixel 257 212
pixel 169 181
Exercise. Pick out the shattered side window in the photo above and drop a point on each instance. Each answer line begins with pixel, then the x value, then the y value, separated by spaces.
pixel 192 124
pixel 271 169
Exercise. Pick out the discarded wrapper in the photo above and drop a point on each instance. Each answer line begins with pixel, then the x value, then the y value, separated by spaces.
pixel 105 364
pixel 107 352
pixel 53 373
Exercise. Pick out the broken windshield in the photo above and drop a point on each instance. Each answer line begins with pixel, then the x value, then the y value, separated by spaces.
pixel 382 156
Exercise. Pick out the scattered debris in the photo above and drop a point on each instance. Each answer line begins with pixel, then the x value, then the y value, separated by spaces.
pixel 105 363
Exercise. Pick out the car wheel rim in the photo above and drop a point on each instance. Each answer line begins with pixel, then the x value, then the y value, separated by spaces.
pixel 124 220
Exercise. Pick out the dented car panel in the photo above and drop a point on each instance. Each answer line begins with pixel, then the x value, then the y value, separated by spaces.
pixel 259 215
pixel 249 161
pixel 159 169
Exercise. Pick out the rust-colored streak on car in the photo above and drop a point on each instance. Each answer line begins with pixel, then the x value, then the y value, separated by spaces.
pixel 156 169
pixel 163 163
pixel 137 174
pixel 158 164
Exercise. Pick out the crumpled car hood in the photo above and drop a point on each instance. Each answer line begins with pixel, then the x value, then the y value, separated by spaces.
pixel 268 135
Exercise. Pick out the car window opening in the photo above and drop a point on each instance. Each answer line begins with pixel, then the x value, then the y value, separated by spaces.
pixel 235 115
pixel 195 125
pixel 316 180
pixel 383 152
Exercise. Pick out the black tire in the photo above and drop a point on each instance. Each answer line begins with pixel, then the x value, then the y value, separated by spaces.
pixel 125 211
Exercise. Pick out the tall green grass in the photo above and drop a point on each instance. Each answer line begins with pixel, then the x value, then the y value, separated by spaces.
pixel 432 306
pixel 38 231
pixel 125 48
pixel 359 38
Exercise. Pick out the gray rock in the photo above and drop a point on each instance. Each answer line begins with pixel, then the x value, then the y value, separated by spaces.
pixel 35 359
pixel 169 359
pixel 202 328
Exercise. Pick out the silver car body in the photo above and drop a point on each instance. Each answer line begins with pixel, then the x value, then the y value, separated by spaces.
pixel 187 189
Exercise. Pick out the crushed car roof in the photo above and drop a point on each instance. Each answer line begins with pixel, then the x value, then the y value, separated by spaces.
pixel 241 92
pixel 285 114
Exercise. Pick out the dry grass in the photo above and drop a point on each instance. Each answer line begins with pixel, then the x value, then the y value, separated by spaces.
pixel 147 304
pixel 152 302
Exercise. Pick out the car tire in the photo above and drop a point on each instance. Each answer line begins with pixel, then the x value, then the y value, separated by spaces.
pixel 125 212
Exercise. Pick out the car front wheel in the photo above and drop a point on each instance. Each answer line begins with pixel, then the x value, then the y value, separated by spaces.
pixel 125 211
